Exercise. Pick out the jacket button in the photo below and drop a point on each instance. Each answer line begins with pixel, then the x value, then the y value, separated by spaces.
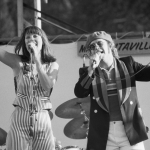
pixel 97 98
pixel 93 97
pixel 95 111
pixel 131 102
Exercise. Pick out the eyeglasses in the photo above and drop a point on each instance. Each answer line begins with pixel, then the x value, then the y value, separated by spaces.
pixel 93 46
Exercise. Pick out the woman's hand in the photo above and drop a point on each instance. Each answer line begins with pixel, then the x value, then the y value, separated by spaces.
pixel 33 49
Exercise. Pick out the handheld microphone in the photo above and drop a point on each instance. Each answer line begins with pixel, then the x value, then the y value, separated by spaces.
pixel 30 47
pixel 94 61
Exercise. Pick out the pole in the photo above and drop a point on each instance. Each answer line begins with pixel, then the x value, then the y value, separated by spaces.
pixel 19 17
pixel 37 5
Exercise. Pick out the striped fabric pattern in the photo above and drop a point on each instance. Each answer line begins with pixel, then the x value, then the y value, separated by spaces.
pixel 86 82
pixel 24 89
pixel 123 80
pixel 114 108
pixel 112 89
pixel 18 135
pixel 123 83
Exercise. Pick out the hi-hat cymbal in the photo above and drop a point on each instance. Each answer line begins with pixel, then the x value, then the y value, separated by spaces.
pixel 77 128
pixel 73 108
pixel 3 135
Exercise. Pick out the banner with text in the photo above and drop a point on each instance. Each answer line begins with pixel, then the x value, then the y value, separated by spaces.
pixel 124 46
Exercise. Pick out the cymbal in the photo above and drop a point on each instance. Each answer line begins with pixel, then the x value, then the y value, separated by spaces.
pixel 77 128
pixel 73 108
pixel 3 135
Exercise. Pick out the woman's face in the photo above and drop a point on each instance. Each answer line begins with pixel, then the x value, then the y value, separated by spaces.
pixel 35 40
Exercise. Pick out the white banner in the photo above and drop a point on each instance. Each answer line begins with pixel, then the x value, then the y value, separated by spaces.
pixel 125 46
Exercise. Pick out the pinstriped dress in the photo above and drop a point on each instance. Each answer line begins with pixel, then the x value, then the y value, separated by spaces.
pixel 18 135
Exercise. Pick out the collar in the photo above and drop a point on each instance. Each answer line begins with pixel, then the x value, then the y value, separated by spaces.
pixel 111 67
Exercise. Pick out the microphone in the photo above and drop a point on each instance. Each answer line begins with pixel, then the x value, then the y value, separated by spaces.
pixel 94 61
pixel 30 47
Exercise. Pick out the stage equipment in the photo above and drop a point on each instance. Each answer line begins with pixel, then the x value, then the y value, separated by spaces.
pixel 71 148
pixel 77 128
pixel 74 108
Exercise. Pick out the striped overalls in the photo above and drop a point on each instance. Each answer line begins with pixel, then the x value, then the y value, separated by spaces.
pixel 18 135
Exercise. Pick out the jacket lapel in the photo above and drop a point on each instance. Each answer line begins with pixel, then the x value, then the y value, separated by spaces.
pixel 123 85
pixel 100 90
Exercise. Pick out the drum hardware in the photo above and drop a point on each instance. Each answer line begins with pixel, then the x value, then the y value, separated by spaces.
pixel 58 145
pixel 78 109
pixel 70 148
pixel 86 119
pixel 70 109
pixel 83 111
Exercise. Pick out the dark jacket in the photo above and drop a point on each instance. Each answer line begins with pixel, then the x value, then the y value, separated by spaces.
pixel 130 109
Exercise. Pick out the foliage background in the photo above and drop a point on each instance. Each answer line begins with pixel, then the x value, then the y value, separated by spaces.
pixel 109 15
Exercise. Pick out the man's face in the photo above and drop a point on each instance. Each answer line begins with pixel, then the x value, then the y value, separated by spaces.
pixel 99 47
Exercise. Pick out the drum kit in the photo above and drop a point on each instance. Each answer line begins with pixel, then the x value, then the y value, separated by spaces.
pixel 78 109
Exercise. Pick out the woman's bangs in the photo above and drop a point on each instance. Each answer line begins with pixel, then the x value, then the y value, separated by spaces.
pixel 33 30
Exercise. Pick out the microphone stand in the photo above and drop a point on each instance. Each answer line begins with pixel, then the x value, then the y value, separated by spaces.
pixel 31 105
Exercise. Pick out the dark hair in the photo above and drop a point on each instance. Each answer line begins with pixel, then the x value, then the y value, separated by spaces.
pixel 46 53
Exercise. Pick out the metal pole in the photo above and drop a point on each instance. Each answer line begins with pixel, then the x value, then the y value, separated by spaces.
pixel 19 17
pixel 37 5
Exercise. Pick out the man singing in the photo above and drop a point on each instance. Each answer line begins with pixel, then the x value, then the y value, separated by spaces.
pixel 116 121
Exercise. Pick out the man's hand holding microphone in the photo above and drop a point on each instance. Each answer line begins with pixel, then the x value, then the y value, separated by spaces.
pixel 94 62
